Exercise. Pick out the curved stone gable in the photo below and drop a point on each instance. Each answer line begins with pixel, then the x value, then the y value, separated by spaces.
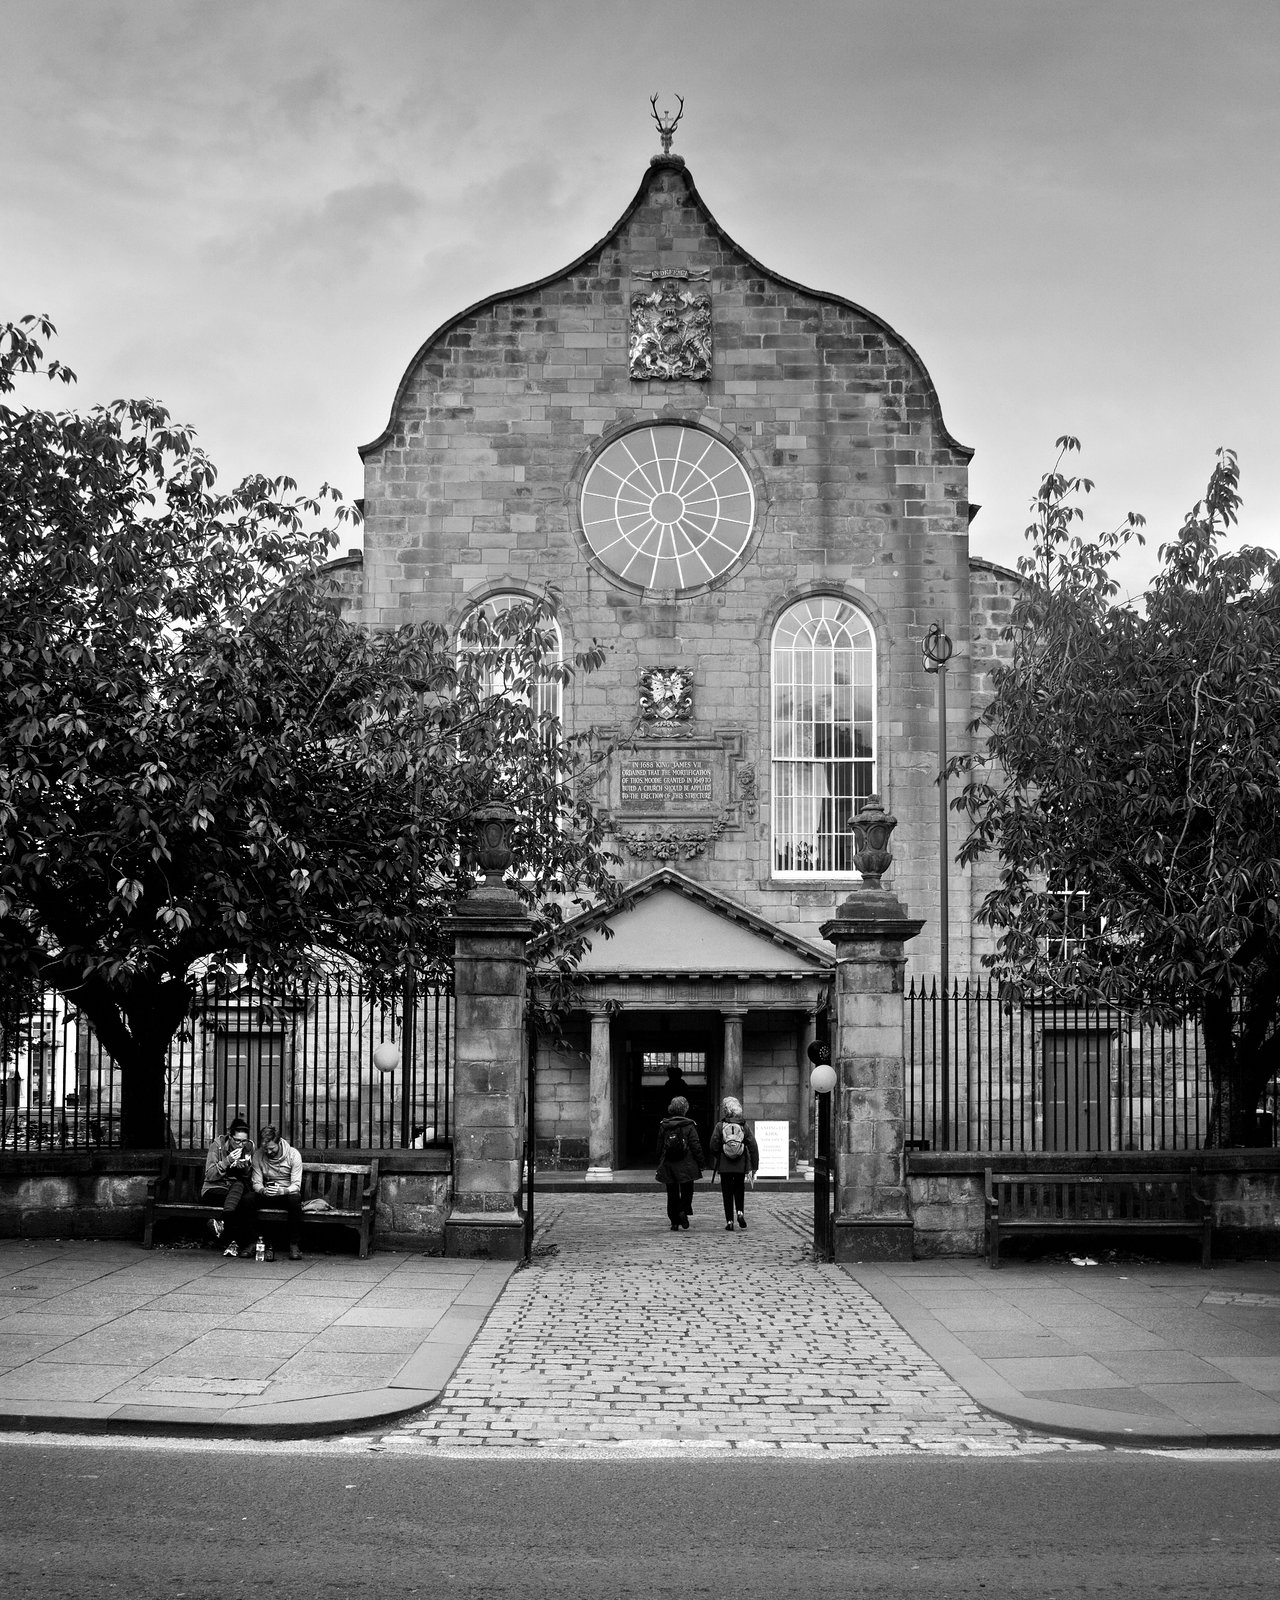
pixel 674 217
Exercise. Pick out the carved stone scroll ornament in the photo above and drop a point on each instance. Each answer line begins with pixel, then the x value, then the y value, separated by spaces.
pixel 671 844
pixel 747 793
pixel 666 699
pixel 670 332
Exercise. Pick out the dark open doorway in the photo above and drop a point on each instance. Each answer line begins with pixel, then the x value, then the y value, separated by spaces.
pixel 648 1044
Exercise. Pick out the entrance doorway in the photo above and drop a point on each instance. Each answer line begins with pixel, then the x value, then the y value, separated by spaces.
pixel 653 1045
pixel 249 1072
pixel 1077 1078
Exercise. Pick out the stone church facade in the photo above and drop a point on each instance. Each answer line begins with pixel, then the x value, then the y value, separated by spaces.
pixel 746 492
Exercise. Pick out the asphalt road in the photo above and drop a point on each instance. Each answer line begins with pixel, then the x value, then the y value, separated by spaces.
pixel 212 1523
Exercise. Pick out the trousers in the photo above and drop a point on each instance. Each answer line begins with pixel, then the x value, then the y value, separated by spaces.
pixel 733 1189
pixel 679 1200
pixel 291 1203
pixel 237 1206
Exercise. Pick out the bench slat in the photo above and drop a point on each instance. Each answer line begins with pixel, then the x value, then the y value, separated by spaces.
pixel 1089 1202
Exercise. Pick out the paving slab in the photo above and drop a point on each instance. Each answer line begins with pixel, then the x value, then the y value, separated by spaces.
pixel 107 1336
pixel 1128 1353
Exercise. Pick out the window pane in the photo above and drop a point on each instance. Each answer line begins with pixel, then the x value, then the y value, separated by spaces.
pixel 823 734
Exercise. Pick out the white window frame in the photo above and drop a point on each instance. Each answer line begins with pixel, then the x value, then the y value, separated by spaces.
pixel 800 774
pixel 549 690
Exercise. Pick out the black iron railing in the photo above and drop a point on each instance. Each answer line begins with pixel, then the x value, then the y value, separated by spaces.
pixel 1043 1075
pixel 337 1062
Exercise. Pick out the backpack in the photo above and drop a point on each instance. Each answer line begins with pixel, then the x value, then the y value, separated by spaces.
pixel 733 1140
pixel 675 1146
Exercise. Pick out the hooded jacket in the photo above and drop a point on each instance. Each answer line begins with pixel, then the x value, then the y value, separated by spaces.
pixel 220 1170
pixel 679 1169
pixel 285 1169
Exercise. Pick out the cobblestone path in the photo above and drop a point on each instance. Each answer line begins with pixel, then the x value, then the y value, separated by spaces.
pixel 628 1338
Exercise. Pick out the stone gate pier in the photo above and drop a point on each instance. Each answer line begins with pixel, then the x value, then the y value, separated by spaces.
pixel 871 927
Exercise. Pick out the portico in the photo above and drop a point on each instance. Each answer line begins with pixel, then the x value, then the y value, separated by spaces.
pixel 677 979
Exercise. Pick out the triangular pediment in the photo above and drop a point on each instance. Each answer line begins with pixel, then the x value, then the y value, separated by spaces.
pixel 667 923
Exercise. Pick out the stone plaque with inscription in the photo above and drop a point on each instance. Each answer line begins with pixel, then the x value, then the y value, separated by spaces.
pixel 651 783
pixel 668 802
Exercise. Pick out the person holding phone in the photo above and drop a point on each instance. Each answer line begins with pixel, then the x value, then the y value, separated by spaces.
pixel 228 1174
pixel 277 1181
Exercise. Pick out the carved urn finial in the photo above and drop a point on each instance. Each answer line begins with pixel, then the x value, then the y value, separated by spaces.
pixel 493 852
pixel 871 829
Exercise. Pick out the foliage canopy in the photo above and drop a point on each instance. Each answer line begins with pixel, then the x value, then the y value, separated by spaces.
pixel 1133 757
pixel 204 764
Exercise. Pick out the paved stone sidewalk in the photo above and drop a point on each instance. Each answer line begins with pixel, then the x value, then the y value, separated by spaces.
pixel 622 1333
pixel 106 1335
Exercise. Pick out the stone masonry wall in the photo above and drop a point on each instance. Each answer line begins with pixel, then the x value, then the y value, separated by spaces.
pixel 861 491
pixel 102 1201
pixel 562 1102
pixel 992 591
pixel 949 1215
pixel 101 1194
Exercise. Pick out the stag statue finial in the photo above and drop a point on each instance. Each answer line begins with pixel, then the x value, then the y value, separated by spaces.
pixel 667 124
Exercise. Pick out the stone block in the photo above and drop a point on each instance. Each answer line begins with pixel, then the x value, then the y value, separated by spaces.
pixel 495 978
pixel 483 1237
pixel 31 1195
pixel 872 1240
pixel 490 1077
pixel 120 1192
pixel 490 1014
pixel 933 1246
pixel 478 1113
pixel 483 1176
pixel 503 1047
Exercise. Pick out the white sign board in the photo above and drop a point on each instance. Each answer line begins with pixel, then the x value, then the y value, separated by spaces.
pixel 774 1141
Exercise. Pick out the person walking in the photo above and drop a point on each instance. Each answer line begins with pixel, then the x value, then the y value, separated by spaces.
pixel 679 1161
pixel 735 1153
pixel 228 1171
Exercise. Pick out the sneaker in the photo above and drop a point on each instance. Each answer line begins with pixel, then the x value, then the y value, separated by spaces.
pixel 684 1220
pixel 728 1227
pixel 217 1227
pixel 295 1252
pixel 233 1249
pixel 742 1221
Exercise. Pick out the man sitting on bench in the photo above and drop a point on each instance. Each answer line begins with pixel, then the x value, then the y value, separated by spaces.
pixel 277 1181
pixel 227 1180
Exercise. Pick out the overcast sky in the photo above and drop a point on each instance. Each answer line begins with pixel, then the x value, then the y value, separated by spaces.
pixel 257 211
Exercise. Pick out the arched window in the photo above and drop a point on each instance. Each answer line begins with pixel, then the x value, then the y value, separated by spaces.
pixel 550 700
pixel 824 735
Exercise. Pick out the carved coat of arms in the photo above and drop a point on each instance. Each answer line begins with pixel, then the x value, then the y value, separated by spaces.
pixel 670 334
pixel 666 697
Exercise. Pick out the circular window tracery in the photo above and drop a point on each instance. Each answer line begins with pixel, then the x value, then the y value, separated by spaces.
pixel 667 507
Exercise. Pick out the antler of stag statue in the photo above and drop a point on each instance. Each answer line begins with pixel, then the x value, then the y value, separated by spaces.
pixel 667 124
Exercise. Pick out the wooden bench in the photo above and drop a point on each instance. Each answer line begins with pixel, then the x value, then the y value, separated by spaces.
pixel 1095 1203
pixel 351 1190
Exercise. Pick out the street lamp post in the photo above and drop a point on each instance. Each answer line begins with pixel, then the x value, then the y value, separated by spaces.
pixel 936 649
pixel 822 1080
pixel 389 1057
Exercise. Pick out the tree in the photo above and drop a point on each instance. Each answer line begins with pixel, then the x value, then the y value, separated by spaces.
pixel 203 765
pixel 1133 755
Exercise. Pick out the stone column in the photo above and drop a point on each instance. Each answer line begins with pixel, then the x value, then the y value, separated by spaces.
pixel 872 1217
pixel 600 1156
pixel 731 1066
pixel 490 931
